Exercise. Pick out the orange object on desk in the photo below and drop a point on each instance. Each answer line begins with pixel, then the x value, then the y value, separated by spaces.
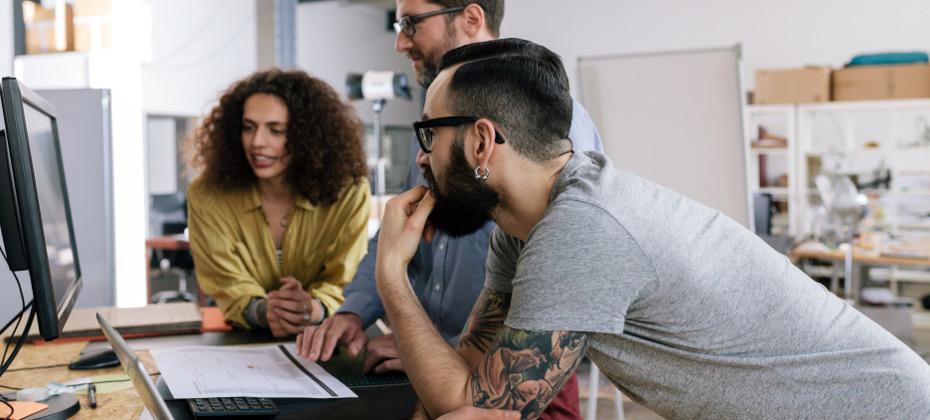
pixel 214 320
pixel 21 409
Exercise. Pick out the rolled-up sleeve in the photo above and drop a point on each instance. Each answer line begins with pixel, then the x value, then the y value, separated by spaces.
pixel 221 270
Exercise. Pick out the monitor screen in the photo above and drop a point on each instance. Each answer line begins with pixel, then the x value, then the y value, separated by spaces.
pixel 42 212
pixel 46 167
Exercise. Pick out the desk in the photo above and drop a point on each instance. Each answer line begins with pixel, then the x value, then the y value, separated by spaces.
pixel 861 258
pixel 120 405
pixel 387 402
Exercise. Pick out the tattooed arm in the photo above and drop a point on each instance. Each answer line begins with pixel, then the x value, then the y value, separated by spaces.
pixel 524 370
pixel 525 376
pixel 495 366
pixel 485 321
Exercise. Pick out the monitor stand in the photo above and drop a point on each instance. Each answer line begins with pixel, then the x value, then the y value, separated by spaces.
pixel 60 406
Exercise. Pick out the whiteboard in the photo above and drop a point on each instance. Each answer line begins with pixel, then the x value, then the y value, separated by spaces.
pixel 675 118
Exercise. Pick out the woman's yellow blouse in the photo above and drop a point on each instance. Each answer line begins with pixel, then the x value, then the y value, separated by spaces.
pixel 235 257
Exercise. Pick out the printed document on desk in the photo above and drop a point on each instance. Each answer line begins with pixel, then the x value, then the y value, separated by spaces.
pixel 270 371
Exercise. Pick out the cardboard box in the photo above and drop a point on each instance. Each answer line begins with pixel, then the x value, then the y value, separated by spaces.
pixel 48 30
pixel 882 82
pixel 810 84
pixel 93 24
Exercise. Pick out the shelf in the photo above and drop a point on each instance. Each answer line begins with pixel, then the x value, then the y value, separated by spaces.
pixel 876 191
pixel 824 135
pixel 773 190
pixel 769 109
pixel 873 105
pixel 914 171
pixel 915 193
pixel 768 150
pixel 821 152
pixel 915 226
pixel 862 150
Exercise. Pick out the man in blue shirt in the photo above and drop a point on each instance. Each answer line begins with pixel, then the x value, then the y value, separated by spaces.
pixel 448 273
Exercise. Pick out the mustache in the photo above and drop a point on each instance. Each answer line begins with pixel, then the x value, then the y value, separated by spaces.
pixel 430 178
pixel 414 53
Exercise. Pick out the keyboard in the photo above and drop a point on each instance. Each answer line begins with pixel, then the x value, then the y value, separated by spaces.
pixel 233 407
pixel 349 370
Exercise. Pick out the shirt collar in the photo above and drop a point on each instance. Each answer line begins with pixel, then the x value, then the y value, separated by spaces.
pixel 251 201
pixel 304 203
pixel 567 171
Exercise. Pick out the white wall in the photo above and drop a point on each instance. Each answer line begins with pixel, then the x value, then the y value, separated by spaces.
pixel 6 37
pixel 199 48
pixel 774 34
pixel 335 39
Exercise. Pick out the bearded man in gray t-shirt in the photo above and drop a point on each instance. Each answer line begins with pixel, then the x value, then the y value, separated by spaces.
pixel 685 310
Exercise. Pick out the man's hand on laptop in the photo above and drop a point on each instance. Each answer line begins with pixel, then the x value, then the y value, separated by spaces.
pixel 317 342
pixel 381 355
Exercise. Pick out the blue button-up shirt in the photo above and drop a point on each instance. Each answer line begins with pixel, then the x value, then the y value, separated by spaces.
pixel 447 274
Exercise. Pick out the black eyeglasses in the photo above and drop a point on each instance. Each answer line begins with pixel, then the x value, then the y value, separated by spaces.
pixel 425 135
pixel 408 24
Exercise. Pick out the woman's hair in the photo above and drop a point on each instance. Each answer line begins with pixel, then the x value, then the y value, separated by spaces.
pixel 324 137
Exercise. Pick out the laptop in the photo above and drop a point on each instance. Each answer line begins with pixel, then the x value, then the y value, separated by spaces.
pixel 239 407
pixel 136 371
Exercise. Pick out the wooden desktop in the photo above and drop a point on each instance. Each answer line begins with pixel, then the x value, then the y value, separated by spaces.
pixel 912 252
pixel 387 401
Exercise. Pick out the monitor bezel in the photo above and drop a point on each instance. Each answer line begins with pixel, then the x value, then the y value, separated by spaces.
pixel 52 316
pixel 9 212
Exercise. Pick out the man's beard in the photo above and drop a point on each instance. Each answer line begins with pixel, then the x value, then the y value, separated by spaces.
pixel 431 64
pixel 463 204
pixel 426 76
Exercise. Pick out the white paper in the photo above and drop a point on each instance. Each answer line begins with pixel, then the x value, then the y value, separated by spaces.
pixel 261 371
pixel 146 414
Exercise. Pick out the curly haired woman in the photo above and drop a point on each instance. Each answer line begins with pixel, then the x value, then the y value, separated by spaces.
pixel 278 216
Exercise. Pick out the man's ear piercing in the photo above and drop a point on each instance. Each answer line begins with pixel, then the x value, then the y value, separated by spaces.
pixel 487 173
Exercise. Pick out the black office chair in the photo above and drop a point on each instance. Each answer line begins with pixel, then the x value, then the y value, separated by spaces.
pixel 167 262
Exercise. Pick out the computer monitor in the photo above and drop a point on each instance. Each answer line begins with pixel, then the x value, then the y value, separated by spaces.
pixel 35 217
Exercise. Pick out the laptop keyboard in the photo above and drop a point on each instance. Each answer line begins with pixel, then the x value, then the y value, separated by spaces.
pixel 233 407
pixel 349 370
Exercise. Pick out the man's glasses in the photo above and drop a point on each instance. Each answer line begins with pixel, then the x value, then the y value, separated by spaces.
pixel 425 134
pixel 408 24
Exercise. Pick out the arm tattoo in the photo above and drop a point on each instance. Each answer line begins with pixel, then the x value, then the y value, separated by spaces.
pixel 524 370
pixel 485 320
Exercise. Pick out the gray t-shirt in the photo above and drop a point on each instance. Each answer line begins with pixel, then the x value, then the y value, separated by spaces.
pixel 691 314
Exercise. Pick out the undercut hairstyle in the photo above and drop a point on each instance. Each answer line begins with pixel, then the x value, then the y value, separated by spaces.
pixel 520 86
pixel 324 137
pixel 493 12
